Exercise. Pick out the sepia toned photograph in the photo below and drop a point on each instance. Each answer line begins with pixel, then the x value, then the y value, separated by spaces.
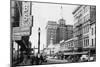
pixel 45 33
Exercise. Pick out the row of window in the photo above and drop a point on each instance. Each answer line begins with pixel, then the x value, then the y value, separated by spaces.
pixel 70 44
pixel 78 32
pixel 69 28
pixel 82 12
pixel 84 19
pixel 86 42
pixel 86 29
pixel 81 18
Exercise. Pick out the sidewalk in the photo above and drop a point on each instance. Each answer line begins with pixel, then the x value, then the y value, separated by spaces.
pixel 25 62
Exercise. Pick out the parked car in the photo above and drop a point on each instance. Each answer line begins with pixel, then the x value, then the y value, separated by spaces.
pixel 93 58
pixel 84 58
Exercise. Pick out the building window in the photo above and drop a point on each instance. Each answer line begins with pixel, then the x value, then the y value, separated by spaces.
pixel 86 8
pixel 88 42
pixel 87 27
pixel 87 17
pixel 83 30
pixel 84 42
pixel 92 42
pixel 92 31
pixel 68 45
pixel 82 20
pixel 71 44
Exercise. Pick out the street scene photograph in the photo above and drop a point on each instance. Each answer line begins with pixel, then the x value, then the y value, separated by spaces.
pixel 51 33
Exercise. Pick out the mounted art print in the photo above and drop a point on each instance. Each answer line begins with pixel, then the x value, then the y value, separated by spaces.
pixel 52 33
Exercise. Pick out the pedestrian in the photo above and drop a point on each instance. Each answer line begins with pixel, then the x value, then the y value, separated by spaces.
pixel 33 60
pixel 37 60
pixel 41 58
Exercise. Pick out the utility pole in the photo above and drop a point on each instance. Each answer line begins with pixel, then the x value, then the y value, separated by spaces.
pixel 39 40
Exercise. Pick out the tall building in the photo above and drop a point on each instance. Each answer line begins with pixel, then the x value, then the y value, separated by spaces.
pixel 78 31
pixel 69 32
pixel 83 22
pixel 51 30
pixel 61 31
pixel 64 32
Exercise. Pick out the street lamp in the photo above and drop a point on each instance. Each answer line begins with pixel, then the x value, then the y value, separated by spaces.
pixel 39 40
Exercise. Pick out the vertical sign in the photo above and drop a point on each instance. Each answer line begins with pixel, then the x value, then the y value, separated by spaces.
pixel 26 19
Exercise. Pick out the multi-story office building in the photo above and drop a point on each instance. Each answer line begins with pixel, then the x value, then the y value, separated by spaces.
pixel 78 13
pixel 64 32
pixel 51 30
pixel 82 26
pixel 61 30
pixel 58 32
pixel 69 32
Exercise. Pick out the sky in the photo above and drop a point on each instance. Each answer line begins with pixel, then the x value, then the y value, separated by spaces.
pixel 43 13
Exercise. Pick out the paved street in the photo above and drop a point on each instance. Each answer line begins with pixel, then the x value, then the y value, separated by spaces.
pixel 25 63
pixel 49 61
pixel 55 61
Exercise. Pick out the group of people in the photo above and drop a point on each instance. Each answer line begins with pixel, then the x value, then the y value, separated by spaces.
pixel 30 59
pixel 37 59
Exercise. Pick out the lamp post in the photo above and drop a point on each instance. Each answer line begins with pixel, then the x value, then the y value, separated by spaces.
pixel 39 40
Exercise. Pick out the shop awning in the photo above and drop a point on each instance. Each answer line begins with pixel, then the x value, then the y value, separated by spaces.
pixel 74 53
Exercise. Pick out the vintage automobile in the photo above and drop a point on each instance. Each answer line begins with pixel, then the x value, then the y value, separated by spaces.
pixel 84 58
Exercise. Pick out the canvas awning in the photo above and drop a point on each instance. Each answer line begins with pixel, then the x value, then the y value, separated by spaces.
pixel 74 53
